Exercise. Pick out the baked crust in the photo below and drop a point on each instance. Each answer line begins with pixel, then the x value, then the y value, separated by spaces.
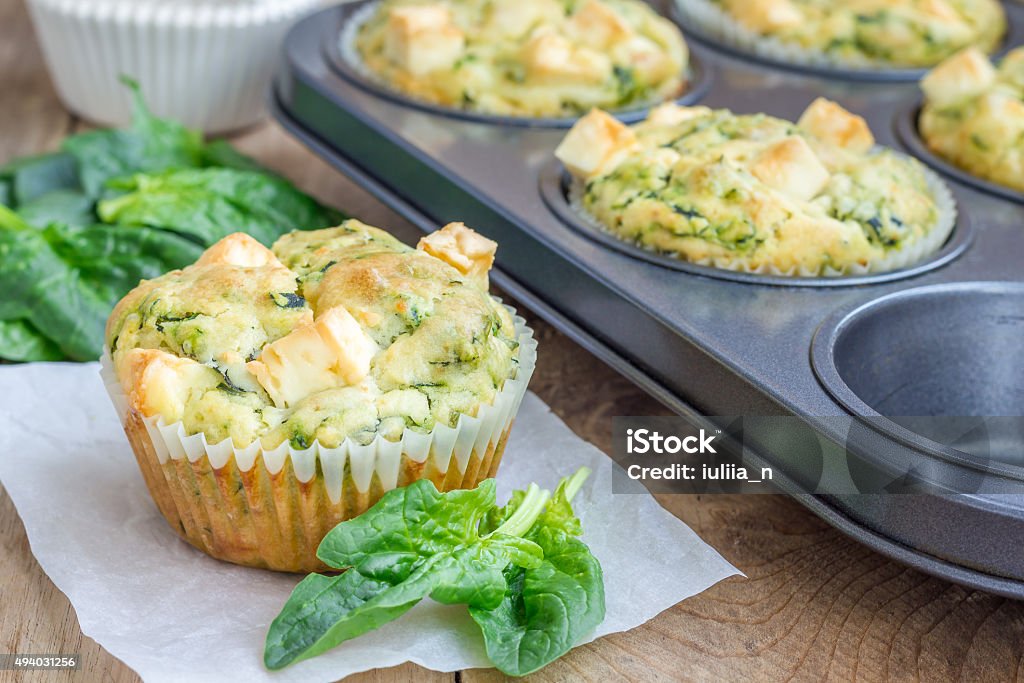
pixel 336 333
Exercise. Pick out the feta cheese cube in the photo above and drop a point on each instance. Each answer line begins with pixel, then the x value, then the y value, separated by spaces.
pixel 965 74
pixel 422 38
pixel 462 248
pixel 828 121
pixel 333 351
pixel 791 167
pixel 596 144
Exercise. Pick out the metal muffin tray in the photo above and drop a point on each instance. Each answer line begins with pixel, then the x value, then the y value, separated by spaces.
pixel 710 345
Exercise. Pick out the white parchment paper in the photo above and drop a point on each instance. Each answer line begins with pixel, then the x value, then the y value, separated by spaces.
pixel 173 614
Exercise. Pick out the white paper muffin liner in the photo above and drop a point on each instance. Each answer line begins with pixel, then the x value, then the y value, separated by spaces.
pixel 271 507
pixel 906 255
pixel 205 63
pixel 445 444
pixel 717 23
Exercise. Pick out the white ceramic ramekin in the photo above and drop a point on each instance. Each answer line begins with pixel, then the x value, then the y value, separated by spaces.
pixel 206 63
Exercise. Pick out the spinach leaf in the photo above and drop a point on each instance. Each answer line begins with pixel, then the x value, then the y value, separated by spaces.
pixel 64 280
pixel 20 341
pixel 60 206
pixel 221 153
pixel 210 203
pixel 151 144
pixel 413 543
pixel 80 230
pixel 32 177
pixel 324 611
pixel 531 585
pixel 547 608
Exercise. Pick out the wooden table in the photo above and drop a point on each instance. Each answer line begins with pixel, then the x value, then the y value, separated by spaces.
pixel 815 605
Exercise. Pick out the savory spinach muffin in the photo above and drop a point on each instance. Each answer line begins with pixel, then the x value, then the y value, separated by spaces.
pixel 303 381
pixel 756 193
pixel 973 115
pixel 894 33
pixel 522 58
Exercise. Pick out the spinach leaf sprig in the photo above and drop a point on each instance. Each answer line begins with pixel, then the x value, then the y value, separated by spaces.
pixel 80 227
pixel 533 588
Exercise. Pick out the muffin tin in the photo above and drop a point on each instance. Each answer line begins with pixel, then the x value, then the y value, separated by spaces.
pixel 706 344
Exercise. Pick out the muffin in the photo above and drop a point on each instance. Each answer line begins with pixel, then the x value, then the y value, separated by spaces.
pixel 852 33
pixel 756 193
pixel 269 394
pixel 540 58
pixel 973 115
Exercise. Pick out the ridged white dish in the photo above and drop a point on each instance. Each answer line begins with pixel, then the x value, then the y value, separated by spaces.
pixel 207 64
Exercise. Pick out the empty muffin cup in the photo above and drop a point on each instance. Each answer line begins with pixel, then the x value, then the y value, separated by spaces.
pixel 940 368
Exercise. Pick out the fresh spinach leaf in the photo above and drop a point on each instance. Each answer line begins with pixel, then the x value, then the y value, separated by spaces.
pixel 20 341
pixel 151 144
pixel 324 611
pixel 60 206
pixel 64 262
pixel 221 153
pixel 413 543
pixel 32 177
pixel 64 280
pixel 210 203
pixel 531 585
pixel 548 608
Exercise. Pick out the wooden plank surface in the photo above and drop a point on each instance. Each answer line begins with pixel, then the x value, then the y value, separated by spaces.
pixel 814 605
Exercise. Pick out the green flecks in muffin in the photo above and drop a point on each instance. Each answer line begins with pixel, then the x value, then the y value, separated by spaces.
pixel 288 299
pixel 628 89
pixel 163 320
pixel 979 142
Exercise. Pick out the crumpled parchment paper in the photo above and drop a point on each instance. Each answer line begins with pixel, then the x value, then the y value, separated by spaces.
pixel 173 614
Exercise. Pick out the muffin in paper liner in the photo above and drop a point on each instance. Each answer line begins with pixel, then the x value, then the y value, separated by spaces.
pixel 972 116
pixel 903 257
pixel 717 23
pixel 349 53
pixel 271 508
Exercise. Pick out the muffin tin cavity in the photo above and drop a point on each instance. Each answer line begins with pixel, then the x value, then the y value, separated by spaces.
pixel 909 135
pixel 938 368
pixel 555 183
pixel 342 58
